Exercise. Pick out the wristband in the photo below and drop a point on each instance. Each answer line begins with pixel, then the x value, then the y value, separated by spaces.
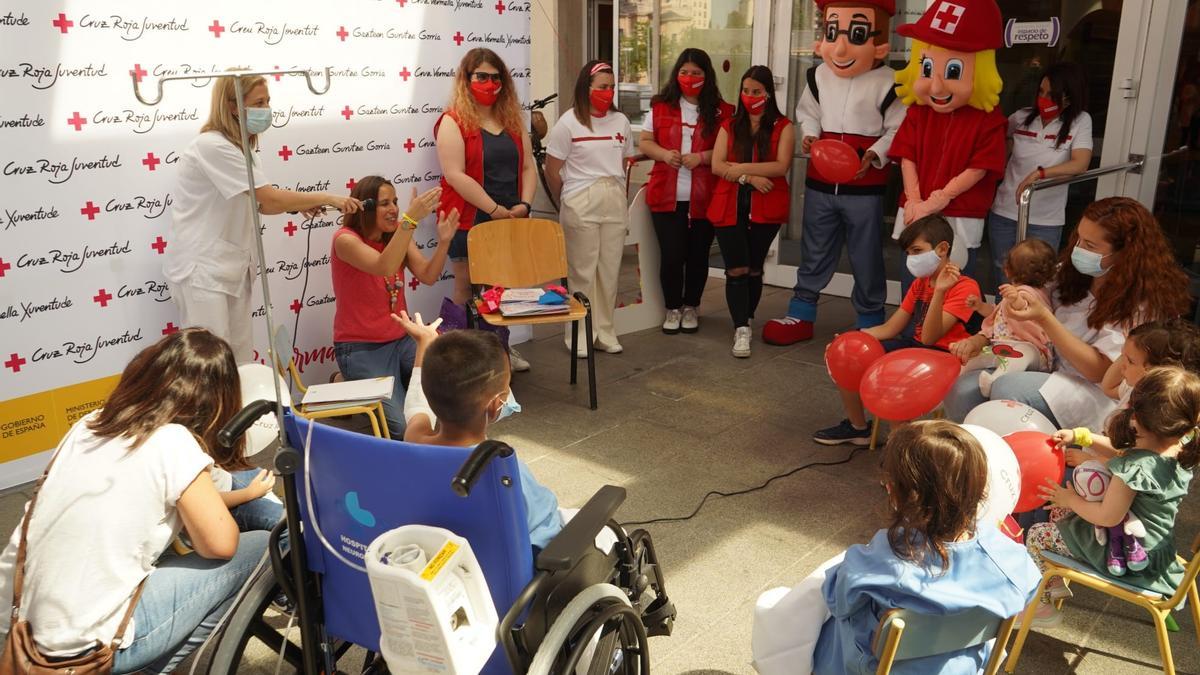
pixel 408 222
pixel 527 205
pixel 1083 437
pixel 742 179
pixel 494 208
pixel 1041 172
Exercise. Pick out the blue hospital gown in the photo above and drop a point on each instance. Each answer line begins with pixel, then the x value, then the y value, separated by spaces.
pixel 989 571
pixel 541 509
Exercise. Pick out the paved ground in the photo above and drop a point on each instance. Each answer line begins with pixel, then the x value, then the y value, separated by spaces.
pixel 679 417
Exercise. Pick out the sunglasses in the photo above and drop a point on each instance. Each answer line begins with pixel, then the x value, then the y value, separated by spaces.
pixel 480 76
pixel 858 33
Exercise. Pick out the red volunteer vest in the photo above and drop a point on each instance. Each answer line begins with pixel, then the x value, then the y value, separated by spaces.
pixel 770 208
pixel 473 145
pixel 668 133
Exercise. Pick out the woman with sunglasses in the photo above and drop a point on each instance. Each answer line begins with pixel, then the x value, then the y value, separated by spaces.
pixel 486 156
pixel 752 157
pixel 678 133
pixel 585 164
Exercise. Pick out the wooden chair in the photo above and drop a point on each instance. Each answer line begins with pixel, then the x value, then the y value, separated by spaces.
pixel 524 252
pixel 1159 606
pixel 930 634
pixel 373 411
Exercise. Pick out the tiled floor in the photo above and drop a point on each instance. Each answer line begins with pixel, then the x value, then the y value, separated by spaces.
pixel 678 417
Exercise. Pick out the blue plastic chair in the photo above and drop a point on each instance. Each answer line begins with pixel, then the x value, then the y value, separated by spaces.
pixel 932 634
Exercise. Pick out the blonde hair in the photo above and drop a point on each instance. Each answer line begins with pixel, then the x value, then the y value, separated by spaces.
pixel 506 109
pixel 987 85
pixel 221 117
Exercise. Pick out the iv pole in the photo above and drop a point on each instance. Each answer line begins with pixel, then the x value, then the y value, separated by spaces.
pixel 286 459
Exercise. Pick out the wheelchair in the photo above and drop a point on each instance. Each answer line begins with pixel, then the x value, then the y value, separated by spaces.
pixel 343 489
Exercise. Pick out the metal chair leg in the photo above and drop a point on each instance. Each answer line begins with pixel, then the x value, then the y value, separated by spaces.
pixel 1164 643
pixel 574 349
pixel 1026 623
pixel 874 433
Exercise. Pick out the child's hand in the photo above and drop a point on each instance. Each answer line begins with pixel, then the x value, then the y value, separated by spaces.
pixel 417 328
pixel 1026 307
pixel 1056 495
pixel 260 485
pixel 1075 456
pixel 973 302
pixel 967 349
pixel 1063 438
pixel 947 277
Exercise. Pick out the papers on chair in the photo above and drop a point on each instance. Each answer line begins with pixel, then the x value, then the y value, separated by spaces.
pixel 527 302
pixel 522 294
pixel 345 394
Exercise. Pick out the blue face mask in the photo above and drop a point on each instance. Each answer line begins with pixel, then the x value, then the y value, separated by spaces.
pixel 923 265
pixel 258 120
pixel 1088 262
pixel 508 408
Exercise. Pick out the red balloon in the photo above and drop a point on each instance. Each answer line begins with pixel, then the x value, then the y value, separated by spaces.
pixel 1039 460
pixel 849 356
pixel 835 160
pixel 908 383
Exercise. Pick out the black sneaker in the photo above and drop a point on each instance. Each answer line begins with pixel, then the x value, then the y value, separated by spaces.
pixel 843 432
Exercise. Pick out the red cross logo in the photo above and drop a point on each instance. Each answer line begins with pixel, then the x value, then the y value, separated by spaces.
pixel 413 283
pixel 76 121
pixel 620 138
pixel 499 6
pixel 351 183
pixel 4 267
pixel 947 17
pixel 170 328
pixel 151 161
pixel 216 28
pixel 458 38
pixel 277 76
pixel 409 145
pixel 62 23
pixel 290 228
pixel 137 72
pixel 347 112
pixel 102 297
pixel 159 245
pixel 15 362
pixel 404 74
pixel 341 33
pixel 285 153
pixel 296 306
pixel 90 210
pixel 401 2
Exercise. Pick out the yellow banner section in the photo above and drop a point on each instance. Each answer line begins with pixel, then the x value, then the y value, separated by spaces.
pixel 34 423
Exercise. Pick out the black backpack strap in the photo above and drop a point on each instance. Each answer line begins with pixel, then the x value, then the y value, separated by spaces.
pixel 887 101
pixel 811 76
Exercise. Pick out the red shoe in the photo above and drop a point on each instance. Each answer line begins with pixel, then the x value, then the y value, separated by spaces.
pixel 786 331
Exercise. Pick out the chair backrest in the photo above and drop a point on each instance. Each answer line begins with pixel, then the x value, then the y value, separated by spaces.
pixel 281 342
pixel 932 634
pixel 363 486
pixel 516 252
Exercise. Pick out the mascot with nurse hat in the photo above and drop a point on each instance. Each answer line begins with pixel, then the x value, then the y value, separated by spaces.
pixel 951 146
pixel 849 105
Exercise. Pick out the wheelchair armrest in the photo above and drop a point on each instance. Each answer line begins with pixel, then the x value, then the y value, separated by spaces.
pixel 580 533
pixel 469 472
pixel 242 421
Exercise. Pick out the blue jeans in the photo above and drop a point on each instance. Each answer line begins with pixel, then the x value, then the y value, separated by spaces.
pixel 259 514
pixel 829 221
pixel 182 602
pixel 362 360
pixel 1002 236
pixel 1021 387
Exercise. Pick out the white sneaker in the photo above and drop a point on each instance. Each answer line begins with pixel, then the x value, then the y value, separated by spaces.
pixel 690 323
pixel 1046 616
pixel 671 323
pixel 519 364
pixel 613 347
pixel 741 342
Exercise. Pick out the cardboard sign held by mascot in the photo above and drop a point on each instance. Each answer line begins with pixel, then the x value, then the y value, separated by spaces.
pixel 951 146
pixel 848 114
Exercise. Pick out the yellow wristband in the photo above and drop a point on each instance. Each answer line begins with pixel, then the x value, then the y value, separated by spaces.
pixel 404 217
pixel 1083 437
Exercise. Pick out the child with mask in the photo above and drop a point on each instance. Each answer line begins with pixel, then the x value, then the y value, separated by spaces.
pixel 468 376
pixel 933 314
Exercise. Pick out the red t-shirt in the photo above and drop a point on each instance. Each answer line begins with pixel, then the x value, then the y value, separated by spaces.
pixel 955 303
pixel 944 145
pixel 363 303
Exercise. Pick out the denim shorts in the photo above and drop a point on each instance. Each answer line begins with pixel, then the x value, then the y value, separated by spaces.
pixel 458 246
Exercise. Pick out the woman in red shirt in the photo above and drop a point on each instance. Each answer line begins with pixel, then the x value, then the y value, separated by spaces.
pixel 678 134
pixel 751 201
pixel 369 255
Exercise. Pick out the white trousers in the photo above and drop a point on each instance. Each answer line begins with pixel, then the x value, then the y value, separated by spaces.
pixel 226 316
pixel 595 220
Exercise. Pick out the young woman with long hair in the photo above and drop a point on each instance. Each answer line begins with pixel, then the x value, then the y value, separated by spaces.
pixel 208 264
pixel 752 157
pixel 486 155
pixel 679 133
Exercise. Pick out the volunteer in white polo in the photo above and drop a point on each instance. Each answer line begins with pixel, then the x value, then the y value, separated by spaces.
pixel 585 168
pixel 208 263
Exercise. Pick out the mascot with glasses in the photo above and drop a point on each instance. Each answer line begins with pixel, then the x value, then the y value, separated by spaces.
pixel 851 98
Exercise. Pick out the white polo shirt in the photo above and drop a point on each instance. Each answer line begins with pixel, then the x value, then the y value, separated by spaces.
pixel 1033 146
pixel 1075 401
pixel 590 154
pixel 690 114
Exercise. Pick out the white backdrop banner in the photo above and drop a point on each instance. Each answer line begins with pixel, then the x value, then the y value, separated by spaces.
pixel 88 171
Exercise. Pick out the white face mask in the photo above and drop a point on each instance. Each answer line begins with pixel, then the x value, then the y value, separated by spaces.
pixel 923 265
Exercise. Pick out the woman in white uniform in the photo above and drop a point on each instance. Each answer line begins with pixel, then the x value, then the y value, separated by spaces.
pixel 208 263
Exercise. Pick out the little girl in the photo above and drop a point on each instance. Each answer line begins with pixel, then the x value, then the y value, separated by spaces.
pixel 1161 445
pixel 1174 342
pixel 1015 345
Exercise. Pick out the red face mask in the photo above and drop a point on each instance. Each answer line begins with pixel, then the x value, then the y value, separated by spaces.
pixel 690 84
pixel 754 104
pixel 485 93
pixel 1047 108
pixel 601 100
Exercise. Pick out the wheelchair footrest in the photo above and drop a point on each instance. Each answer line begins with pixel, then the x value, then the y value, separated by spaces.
pixel 659 617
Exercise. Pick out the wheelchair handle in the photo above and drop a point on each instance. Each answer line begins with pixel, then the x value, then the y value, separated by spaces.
pixel 469 472
pixel 245 417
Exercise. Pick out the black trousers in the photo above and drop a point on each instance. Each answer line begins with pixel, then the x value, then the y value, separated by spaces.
pixel 683 245
pixel 744 244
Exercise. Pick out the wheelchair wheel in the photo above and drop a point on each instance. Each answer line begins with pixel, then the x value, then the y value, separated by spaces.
pixel 247 621
pixel 599 629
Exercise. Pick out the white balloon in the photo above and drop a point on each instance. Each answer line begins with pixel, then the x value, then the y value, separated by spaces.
pixel 257 384
pixel 1004 476
pixel 1006 417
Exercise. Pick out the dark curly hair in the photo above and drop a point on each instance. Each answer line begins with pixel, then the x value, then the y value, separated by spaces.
pixel 1174 342
pixel 1032 262
pixel 1166 403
